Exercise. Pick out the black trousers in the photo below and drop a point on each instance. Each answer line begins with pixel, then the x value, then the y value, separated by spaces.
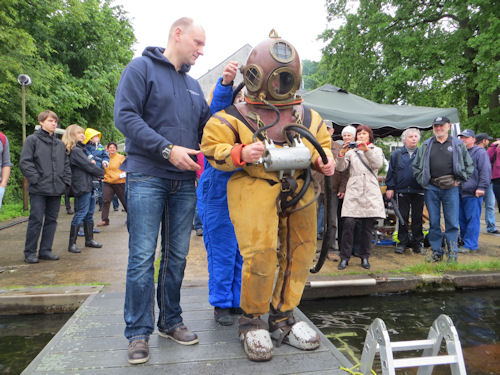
pixel 43 212
pixel 415 203
pixel 365 240
pixel 496 191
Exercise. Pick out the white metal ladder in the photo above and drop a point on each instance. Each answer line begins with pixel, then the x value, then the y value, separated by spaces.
pixel 378 341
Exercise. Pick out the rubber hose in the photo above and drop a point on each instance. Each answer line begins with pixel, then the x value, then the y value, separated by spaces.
pixel 328 239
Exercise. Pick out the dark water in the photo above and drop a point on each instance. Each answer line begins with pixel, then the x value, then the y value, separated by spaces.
pixel 408 317
pixel 22 337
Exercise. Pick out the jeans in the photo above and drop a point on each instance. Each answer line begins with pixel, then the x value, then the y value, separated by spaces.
pixel 2 193
pixel 470 221
pixel 449 198
pixel 320 215
pixel 44 210
pixel 153 202
pixel 115 202
pixel 489 209
pixel 84 209
pixel 197 221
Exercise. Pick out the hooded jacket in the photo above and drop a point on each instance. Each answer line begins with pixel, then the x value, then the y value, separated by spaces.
pixel 97 150
pixel 494 154
pixel 481 177
pixel 156 106
pixel 45 164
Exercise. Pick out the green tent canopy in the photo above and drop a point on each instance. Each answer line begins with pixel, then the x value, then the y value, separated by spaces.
pixel 343 108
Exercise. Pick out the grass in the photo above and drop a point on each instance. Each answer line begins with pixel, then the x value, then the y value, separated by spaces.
pixel 439 268
pixel 12 210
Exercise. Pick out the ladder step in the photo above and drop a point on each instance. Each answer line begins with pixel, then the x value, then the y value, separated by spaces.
pixel 412 345
pixel 425 361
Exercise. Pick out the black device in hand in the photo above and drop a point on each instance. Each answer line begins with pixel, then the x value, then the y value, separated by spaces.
pixel 353 144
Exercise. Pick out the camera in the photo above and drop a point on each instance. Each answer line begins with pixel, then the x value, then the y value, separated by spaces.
pixel 353 144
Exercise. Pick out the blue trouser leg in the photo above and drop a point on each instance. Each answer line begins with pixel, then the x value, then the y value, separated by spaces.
pixel 489 209
pixel 470 216
pixel 449 198
pixel 83 204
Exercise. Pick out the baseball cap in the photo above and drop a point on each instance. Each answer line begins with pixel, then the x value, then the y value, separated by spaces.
pixel 329 124
pixel 440 120
pixel 468 133
pixel 482 136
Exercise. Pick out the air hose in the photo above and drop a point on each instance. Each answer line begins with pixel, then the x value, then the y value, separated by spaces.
pixel 328 238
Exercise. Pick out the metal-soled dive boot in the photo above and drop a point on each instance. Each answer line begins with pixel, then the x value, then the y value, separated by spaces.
pixel 284 329
pixel 88 228
pixel 73 234
pixel 254 335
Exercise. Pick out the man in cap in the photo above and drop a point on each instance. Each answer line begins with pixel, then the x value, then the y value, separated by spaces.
pixel 483 140
pixel 441 164
pixel 472 192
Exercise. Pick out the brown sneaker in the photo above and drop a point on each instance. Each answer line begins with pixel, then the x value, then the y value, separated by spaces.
pixel 103 223
pixel 181 335
pixel 138 352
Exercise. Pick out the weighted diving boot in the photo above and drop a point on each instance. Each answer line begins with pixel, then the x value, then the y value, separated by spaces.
pixel 73 234
pixel 254 335
pixel 284 329
pixel 88 228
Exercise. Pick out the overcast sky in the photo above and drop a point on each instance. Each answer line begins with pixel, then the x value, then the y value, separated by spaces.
pixel 230 24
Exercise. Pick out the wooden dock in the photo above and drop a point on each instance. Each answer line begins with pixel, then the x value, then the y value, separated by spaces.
pixel 92 342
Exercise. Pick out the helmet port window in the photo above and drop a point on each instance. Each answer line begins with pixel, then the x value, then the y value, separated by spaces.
pixel 281 84
pixel 282 52
pixel 253 77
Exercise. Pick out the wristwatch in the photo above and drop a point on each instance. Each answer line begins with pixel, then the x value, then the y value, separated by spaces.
pixel 166 151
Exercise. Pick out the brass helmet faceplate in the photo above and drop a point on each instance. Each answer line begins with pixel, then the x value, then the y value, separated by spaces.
pixel 272 72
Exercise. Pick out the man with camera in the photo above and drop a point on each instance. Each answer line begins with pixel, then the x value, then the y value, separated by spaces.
pixel 441 164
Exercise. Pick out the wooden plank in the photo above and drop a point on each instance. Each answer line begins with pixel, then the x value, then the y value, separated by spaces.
pixel 92 342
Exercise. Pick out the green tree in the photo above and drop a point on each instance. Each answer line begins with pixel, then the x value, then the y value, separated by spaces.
pixel 74 51
pixel 439 53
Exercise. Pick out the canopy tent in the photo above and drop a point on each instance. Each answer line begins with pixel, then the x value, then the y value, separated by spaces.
pixel 343 108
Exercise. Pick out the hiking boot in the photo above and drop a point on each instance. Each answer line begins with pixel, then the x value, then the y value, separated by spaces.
pixel 181 335
pixel 434 258
pixel 103 223
pixel 138 351
pixel 400 249
pixel 236 310
pixel 223 316
pixel 254 335
pixel 69 211
pixel 48 256
pixel 31 259
pixel 417 249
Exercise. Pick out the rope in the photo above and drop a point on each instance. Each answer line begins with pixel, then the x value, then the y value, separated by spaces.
pixel 345 347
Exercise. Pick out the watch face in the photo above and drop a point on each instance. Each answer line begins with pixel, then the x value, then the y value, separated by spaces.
pixel 166 153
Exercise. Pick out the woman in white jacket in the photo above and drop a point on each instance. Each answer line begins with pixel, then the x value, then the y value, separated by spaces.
pixel 363 201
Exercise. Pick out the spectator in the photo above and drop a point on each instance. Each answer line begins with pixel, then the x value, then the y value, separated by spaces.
pixel 114 182
pixel 45 165
pixel 5 165
pixel 223 256
pixel 83 172
pixel 472 192
pixel 363 201
pixel 494 154
pixel 441 164
pixel 483 140
pixel 161 111
pixel 401 182
pixel 95 150
pixel 257 198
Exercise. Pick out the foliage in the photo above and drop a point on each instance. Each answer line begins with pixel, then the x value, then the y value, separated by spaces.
pixel 74 51
pixel 430 53
pixel 12 210
pixel 439 268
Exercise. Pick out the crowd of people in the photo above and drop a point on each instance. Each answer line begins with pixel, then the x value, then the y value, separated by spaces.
pixel 255 219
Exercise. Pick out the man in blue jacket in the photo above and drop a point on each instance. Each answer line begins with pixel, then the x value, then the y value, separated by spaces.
pixel 161 111
pixel 472 192
pixel 409 194
pixel 441 164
